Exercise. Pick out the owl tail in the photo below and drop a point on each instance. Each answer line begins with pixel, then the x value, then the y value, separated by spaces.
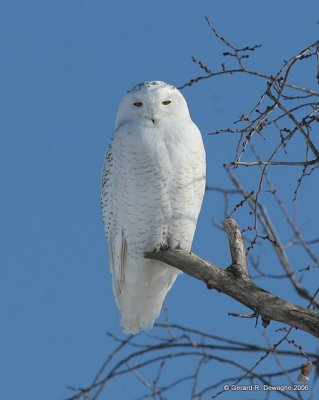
pixel 143 294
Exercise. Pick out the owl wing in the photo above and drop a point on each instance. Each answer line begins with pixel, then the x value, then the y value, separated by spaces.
pixel 115 236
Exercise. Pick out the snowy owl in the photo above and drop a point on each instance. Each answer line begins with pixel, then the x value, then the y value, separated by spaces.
pixel 153 184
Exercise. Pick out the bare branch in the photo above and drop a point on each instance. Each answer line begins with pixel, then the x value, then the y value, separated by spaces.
pixel 240 288
pixel 265 221
pixel 283 163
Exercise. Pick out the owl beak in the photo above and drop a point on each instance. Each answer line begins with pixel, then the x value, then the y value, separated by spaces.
pixel 153 115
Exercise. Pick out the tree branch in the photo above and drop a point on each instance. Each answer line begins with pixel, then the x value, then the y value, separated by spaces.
pixel 234 282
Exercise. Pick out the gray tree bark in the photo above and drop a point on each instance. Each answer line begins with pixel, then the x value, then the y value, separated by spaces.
pixel 235 282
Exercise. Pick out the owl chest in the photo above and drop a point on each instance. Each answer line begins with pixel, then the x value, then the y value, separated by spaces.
pixel 158 158
pixel 164 147
pixel 155 158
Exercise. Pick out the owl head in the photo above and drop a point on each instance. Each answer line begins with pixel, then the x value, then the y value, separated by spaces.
pixel 152 101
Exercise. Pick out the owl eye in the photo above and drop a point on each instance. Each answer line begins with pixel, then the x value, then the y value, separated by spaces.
pixel 138 104
pixel 166 102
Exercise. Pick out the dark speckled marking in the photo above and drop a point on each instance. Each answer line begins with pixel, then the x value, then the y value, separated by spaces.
pixel 149 84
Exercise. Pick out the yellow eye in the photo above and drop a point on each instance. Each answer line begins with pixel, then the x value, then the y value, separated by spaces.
pixel 138 104
pixel 166 102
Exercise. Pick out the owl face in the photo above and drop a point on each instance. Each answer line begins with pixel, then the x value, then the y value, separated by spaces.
pixel 152 102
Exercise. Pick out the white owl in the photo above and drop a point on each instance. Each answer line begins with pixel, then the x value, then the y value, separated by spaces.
pixel 153 184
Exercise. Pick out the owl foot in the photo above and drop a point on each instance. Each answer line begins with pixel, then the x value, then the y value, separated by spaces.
pixel 161 247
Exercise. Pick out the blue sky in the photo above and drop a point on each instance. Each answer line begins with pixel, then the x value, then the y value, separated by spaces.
pixel 64 66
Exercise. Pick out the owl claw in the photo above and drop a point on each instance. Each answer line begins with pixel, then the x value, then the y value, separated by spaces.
pixel 161 247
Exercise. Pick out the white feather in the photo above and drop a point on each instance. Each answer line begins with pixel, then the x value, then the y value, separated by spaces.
pixel 152 188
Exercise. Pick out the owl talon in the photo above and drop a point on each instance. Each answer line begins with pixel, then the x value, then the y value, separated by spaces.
pixel 161 247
